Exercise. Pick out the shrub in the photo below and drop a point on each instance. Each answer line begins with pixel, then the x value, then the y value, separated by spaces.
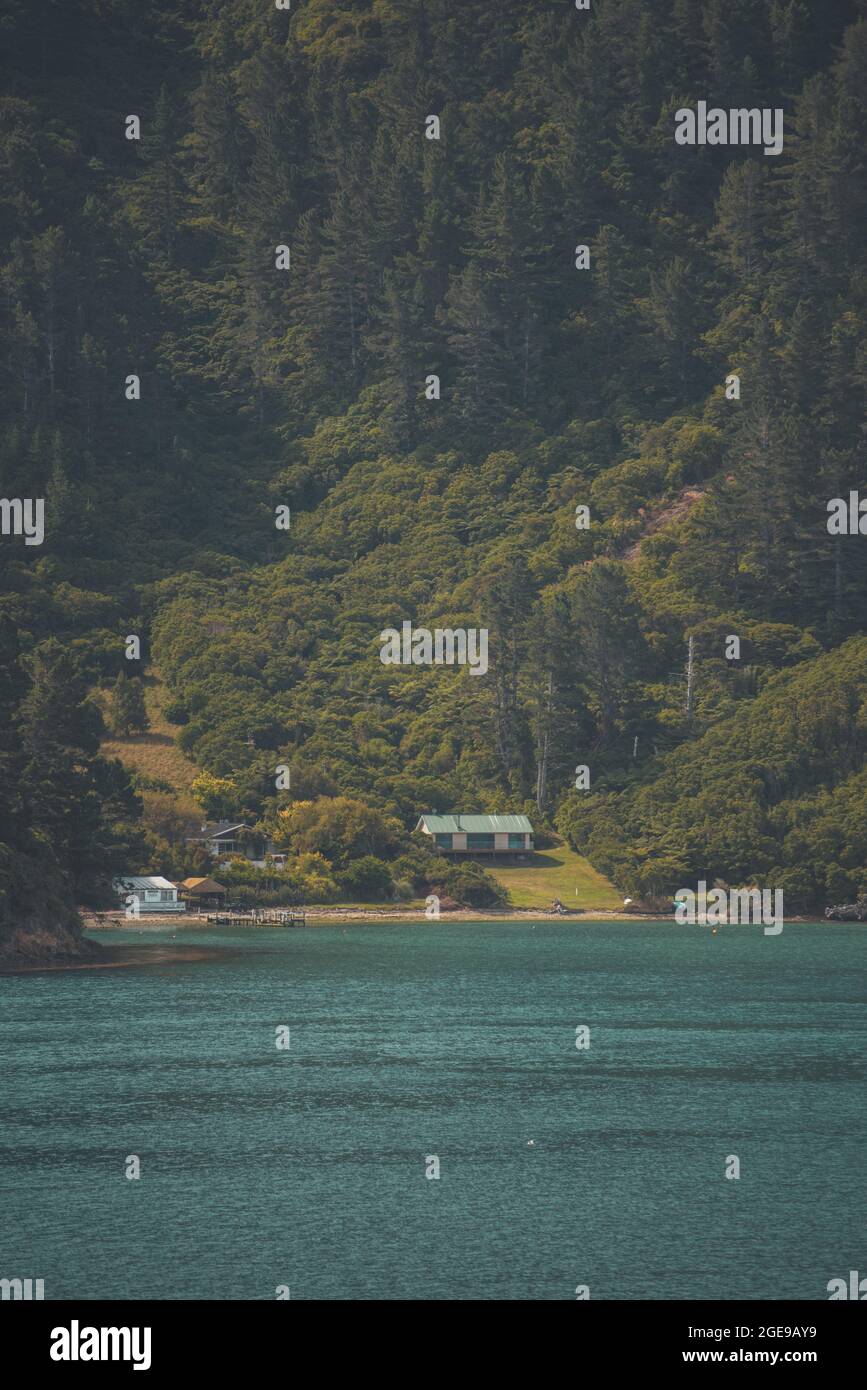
pixel 473 885
pixel 367 879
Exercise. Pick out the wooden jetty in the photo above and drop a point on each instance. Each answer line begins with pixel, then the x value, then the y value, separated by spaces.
pixel 260 917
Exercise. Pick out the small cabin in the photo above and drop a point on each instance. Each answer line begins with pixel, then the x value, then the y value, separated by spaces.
pixel 148 894
pixel 479 837
pixel 201 893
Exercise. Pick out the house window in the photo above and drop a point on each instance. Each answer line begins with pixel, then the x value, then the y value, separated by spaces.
pixel 167 895
pixel 443 841
pixel 480 841
pixel 516 841
pixel 152 894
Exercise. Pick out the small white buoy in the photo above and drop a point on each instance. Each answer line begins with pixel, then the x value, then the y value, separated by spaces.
pixel 531 1143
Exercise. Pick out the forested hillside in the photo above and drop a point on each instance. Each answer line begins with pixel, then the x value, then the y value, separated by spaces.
pixel 334 305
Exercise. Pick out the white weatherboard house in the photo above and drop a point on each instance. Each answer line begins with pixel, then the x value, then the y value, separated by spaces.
pixel 479 835
pixel 152 894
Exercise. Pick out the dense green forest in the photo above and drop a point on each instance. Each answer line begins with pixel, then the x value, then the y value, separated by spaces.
pixel 285 259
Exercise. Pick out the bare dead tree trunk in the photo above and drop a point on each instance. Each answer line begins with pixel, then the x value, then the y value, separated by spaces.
pixel 690 673
pixel 543 745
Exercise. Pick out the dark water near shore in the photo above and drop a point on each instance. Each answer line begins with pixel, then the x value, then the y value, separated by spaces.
pixel 306 1167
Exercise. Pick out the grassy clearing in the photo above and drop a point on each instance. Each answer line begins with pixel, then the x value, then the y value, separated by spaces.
pixel 547 874
pixel 155 753
pixel 557 873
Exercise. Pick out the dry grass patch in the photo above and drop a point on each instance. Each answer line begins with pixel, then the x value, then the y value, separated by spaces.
pixel 155 753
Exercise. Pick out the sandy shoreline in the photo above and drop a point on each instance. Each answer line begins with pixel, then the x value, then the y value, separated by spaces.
pixel 333 916
pixel 329 916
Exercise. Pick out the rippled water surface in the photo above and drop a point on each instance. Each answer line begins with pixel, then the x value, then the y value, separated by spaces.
pixel 306 1167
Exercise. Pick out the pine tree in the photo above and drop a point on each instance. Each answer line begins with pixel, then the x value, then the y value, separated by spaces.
pixel 559 719
pixel 401 345
pixel 739 233
pixel 610 642
pixel 483 362
pixel 127 713
pixel 161 191
pixel 674 308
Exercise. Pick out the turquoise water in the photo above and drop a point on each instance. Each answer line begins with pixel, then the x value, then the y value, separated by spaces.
pixel 306 1167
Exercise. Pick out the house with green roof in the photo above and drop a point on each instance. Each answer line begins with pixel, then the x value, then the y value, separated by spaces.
pixel 479 836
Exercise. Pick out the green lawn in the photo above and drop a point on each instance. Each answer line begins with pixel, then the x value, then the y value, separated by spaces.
pixel 547 874
pixel 557 873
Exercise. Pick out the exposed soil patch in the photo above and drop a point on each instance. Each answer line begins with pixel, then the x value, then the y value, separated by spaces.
pixel 685 501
